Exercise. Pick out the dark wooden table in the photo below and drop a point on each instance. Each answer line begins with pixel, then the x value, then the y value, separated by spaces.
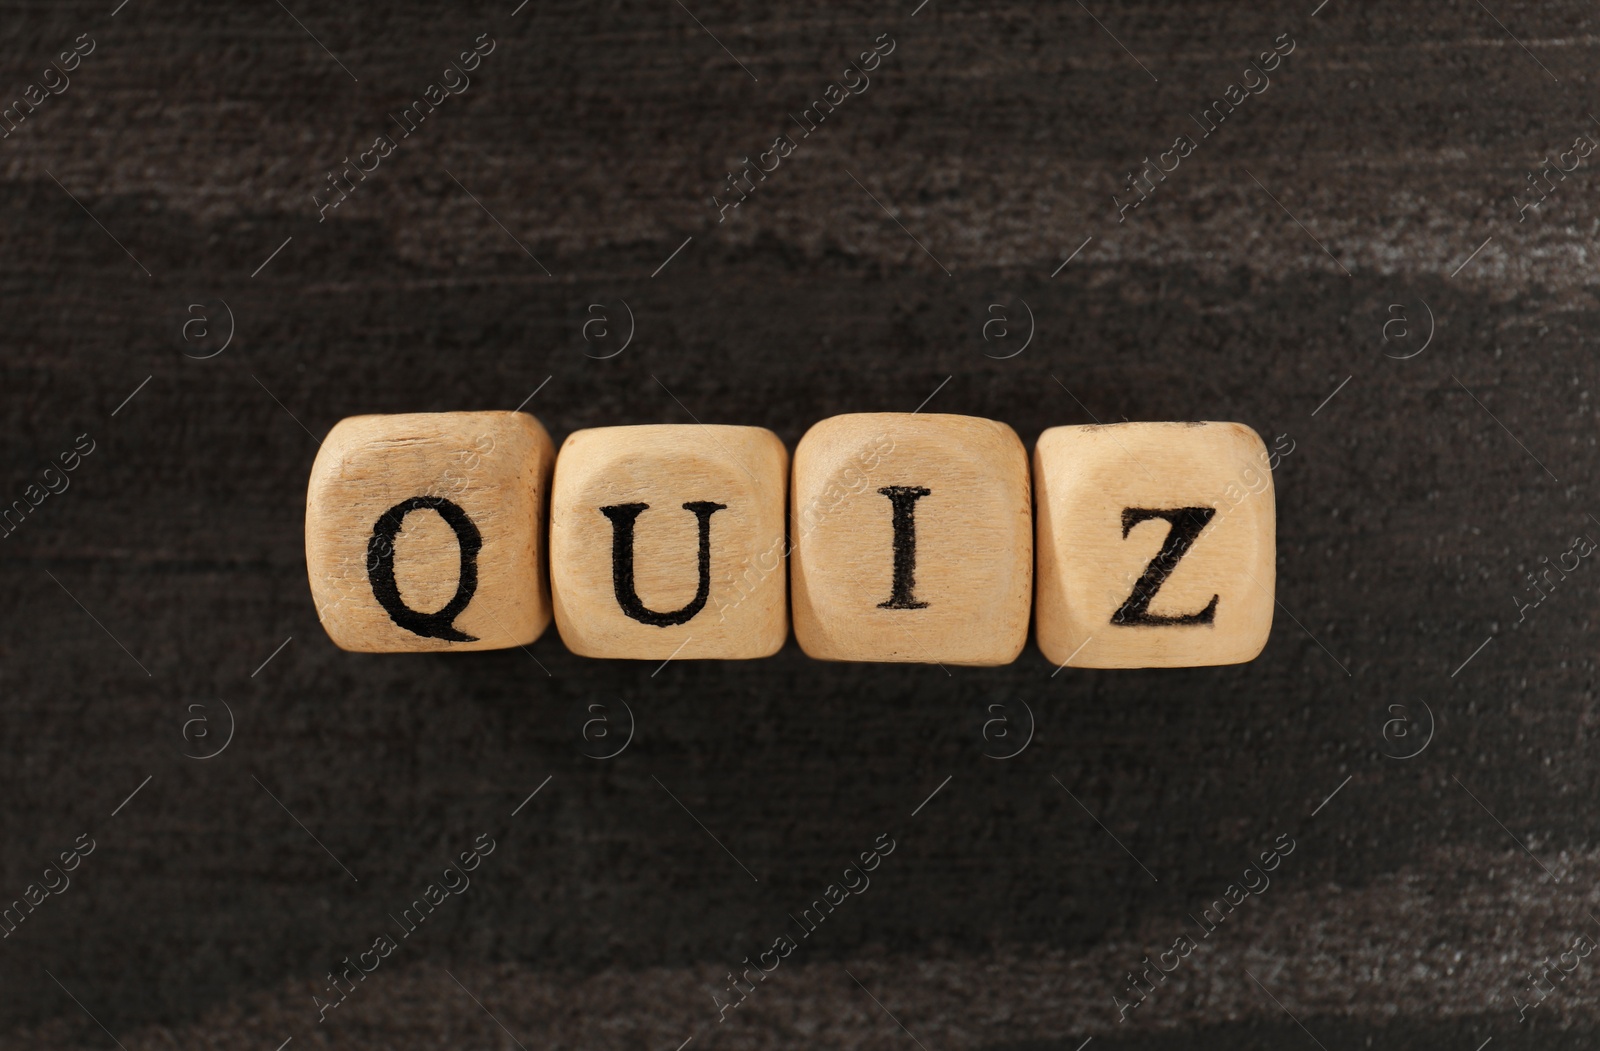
pixel 1348 257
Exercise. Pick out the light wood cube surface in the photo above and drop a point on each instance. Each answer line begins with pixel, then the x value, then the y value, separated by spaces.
pixel 424 531
pixel 1156 545
pixel 667 540
pixel 912 539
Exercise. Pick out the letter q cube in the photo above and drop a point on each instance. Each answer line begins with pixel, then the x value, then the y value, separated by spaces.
pixel 424 531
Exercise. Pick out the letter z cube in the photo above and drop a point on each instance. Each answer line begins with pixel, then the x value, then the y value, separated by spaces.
pixel 1156 545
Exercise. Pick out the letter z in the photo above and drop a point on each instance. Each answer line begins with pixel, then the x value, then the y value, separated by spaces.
pixel 1185 525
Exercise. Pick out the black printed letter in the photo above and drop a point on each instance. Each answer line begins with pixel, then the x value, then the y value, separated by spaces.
pixel 904 498
pixel 1185 524
pixel 380 568
pixel 622 518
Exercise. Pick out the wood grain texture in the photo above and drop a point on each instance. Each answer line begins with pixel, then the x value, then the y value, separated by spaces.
pixel 1100 493
pixel 962 484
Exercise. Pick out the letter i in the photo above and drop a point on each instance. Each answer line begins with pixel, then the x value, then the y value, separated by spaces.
pixel 903 499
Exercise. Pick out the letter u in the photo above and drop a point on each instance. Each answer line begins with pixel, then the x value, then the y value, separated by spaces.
pixel 623 517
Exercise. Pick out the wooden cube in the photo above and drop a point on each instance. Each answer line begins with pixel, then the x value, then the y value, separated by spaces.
pixel 424 531
pixel 1156 545
pixel 912 539
pixel 667 541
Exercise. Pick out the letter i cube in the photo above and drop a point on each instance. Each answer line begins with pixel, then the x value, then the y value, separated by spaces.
pixel 1156 545
pixel 424 531
pixel 667 542
pixel 913 540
